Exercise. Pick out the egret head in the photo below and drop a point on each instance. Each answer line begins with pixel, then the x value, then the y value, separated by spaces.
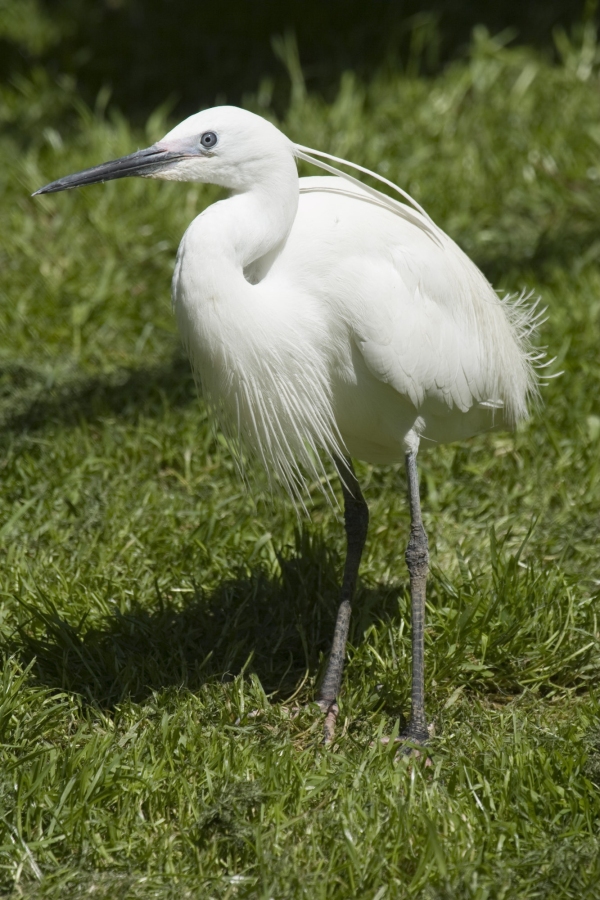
pixel 225 145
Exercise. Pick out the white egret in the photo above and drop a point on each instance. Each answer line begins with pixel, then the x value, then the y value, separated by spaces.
pixel 326 319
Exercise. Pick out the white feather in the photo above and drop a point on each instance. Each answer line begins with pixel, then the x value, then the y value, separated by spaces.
pixel 325 318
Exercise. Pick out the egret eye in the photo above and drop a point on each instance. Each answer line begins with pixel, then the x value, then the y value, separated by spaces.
pixel 208 139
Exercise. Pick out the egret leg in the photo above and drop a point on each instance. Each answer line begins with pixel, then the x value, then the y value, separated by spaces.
pixel 356 520
pixel 417 560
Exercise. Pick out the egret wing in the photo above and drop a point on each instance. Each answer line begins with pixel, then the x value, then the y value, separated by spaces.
pixel 413 342
pixel 410 295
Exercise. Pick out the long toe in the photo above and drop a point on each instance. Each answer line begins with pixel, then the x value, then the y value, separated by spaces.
pixel 331 710
pixel 413 742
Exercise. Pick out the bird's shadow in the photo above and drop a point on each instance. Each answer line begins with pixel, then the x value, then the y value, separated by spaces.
pixel 275 627
pixel 28 402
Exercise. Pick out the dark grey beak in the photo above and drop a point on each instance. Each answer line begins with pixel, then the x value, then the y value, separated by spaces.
pixel 142 162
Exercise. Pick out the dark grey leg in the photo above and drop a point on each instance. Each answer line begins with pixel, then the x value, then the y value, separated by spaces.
pixel 356 519
pixel 417 560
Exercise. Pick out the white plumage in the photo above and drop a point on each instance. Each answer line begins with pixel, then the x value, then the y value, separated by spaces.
pixel 327 319
pixel 318 315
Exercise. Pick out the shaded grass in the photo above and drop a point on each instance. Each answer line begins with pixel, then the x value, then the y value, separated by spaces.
pixel 162 631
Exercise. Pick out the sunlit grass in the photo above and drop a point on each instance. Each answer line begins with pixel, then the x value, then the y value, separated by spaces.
pixel 162 631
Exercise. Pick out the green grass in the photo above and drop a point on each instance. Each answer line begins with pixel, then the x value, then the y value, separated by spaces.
pixel 162 631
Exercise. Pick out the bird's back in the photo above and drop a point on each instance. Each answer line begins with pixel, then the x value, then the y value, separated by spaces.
pixel 421 332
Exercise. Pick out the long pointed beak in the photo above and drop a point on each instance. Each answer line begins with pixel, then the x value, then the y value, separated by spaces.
pixel 143 162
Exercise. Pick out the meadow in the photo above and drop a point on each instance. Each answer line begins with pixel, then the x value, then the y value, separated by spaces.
pixel 162 630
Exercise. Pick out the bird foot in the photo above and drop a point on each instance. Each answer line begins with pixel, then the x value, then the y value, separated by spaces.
pixel 415 735
pixel 331 711
pixel 412 742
